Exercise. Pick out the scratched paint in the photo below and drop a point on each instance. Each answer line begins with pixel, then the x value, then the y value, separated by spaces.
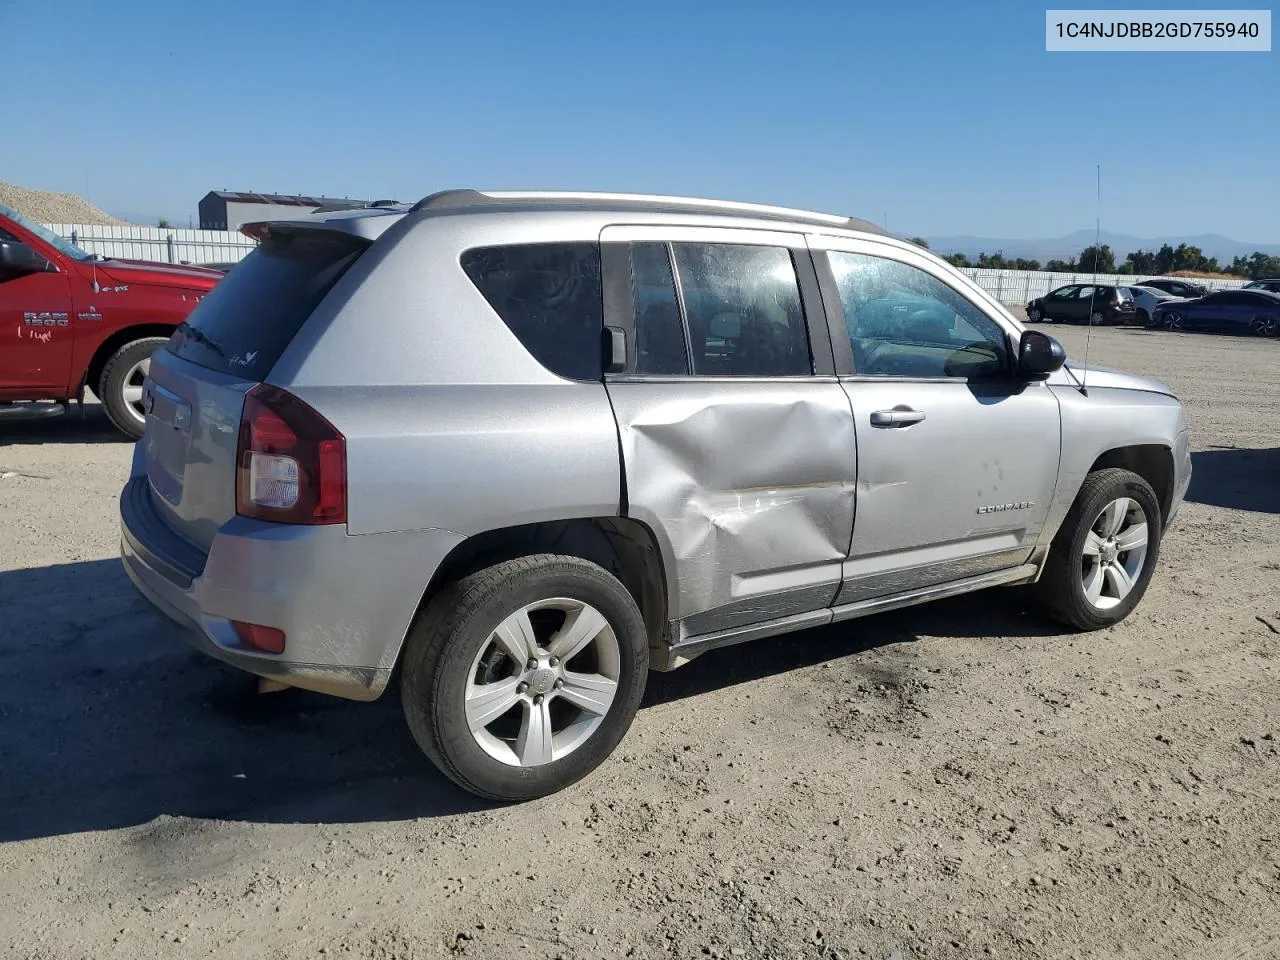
pixel 751 486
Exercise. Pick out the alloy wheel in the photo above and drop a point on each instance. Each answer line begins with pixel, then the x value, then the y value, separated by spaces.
pixel 1115 551
pixel 542 682
pixel 1173 321
pixel 132 388
pixel 1265 326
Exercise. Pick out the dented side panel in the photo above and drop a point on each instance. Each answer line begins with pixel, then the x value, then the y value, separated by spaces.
pixel 749 486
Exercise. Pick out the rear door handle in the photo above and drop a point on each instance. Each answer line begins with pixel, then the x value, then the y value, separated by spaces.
pixel 899 416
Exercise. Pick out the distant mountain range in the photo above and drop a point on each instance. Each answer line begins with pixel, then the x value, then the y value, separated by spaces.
pixel 1068 247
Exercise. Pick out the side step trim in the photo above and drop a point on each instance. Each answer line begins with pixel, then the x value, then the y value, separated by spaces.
pixel 864 608
pixel 676 654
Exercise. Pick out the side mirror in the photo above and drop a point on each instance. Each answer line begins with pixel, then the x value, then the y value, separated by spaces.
pixel 17 259
pixel 1039 355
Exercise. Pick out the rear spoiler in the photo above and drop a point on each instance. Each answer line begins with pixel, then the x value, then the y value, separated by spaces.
pixel 367 224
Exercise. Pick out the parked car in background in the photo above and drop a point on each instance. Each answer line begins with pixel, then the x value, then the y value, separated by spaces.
pixel 1083 303
pixel 1239 311
pixel 1145 300
pixel 1176 286
pixel 1272 286
pixel 71 320
pixel 521 448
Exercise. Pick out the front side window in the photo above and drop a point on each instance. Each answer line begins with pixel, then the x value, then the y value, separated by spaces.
pixel 549 295
pixel 903 322
pixel 742 310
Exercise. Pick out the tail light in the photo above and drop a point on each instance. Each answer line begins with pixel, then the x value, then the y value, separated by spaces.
pixel 291 464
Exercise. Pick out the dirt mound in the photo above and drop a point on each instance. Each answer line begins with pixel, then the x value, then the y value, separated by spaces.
pixel 45 207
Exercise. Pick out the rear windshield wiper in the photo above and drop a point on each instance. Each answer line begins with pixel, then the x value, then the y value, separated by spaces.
pixel 199 336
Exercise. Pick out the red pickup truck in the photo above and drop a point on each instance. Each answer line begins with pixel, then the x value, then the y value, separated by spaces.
pixel 71 320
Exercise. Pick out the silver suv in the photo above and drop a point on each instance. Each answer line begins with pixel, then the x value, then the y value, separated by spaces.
pixel 521 448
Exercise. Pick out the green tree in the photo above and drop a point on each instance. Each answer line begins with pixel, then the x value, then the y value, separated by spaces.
pixel 1140 261
pixel 1020 264
pixel 1164 260
pixel 1189 258
pixel 957 259
pixel 919 242
pixel 1261 265
pixel 1098 259
pixel 164 224
pixel 1061 266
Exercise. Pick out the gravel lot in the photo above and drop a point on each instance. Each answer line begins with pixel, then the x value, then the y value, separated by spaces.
pixel 957 780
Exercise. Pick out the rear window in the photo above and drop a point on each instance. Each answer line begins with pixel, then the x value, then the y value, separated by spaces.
pixel 243 325
pixel 549 295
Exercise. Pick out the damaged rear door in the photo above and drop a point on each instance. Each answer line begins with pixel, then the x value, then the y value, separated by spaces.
pixel 737 440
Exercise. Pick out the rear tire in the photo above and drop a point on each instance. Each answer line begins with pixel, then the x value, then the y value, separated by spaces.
pixel 120 385
pixel 488 742
pixel 1142 318
pixel 1089 580
pixel 1097 319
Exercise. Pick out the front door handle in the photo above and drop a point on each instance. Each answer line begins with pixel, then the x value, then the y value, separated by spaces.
pixel 899 416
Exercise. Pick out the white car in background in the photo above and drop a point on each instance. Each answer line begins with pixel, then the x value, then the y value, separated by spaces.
pixel 1145 301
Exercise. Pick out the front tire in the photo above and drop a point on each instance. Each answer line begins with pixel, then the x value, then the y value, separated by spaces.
pixel 1264 326
pixel 1097 319
pixel 120 385
pixel 1104 554
pixel 1034 315
pixel 520 679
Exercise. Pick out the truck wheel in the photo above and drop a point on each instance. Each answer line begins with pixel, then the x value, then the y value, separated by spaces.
pixel 522 678
pixel 120 386
pixel 1105 552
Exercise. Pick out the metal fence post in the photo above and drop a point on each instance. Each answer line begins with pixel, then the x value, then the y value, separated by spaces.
pixel 168 242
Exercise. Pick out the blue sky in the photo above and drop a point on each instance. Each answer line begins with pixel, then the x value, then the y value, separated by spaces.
pixel 947 117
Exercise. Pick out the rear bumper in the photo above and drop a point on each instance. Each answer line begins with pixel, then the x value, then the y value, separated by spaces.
pixel 344 602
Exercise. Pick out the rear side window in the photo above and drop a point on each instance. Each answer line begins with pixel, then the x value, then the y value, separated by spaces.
pixel 549 294
pixel 742 308
pixel 243 325
pixel 660 344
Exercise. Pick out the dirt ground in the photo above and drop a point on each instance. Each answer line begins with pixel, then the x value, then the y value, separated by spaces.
pixel 960 780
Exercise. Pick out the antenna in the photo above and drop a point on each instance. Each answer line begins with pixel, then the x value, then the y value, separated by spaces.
pixel 1093 293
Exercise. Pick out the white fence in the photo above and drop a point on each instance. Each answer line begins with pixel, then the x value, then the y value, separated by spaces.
pixel 220 246
pixel 1016 287
pixel 157 243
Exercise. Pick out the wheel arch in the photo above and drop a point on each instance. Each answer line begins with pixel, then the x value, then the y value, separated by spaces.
pixel 625 547
pixel 118 339
pixel 1151 461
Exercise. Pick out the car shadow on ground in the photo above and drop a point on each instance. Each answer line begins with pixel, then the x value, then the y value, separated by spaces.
pixel 108 720
pixel 1241 479
pixel 89 425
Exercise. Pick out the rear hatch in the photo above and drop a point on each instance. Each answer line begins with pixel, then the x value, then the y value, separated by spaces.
pixel 229 343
